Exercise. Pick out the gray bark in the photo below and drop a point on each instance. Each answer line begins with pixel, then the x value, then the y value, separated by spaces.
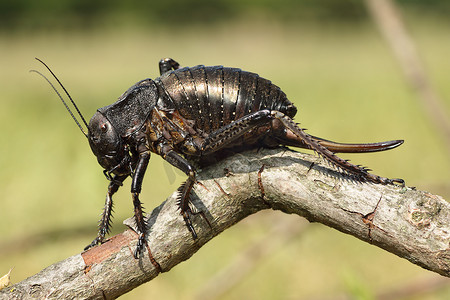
pixel 410 223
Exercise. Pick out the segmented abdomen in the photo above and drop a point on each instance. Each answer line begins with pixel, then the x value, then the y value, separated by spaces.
pixel 216 96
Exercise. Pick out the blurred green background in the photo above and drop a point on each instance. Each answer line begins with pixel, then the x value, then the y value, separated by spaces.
pixel 329 58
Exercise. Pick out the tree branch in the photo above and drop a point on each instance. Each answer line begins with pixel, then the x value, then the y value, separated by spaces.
pixel 410 223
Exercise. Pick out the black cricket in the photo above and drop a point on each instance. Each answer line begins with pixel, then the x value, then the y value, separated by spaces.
pixel 192 117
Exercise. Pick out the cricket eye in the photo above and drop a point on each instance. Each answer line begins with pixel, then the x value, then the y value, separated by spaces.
pixel 104 127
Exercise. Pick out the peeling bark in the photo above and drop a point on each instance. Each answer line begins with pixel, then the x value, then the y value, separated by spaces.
pixel 410 223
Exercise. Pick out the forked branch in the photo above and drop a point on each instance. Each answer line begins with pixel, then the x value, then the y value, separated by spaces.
pixel 410 223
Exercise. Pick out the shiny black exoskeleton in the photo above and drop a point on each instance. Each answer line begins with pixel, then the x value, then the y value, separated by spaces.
pixel 193 116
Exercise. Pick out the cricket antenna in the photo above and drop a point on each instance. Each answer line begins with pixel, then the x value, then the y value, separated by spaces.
pixel 62 100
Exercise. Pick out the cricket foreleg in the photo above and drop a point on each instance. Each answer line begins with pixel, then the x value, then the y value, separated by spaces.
pixel 136 187
pixel 104 225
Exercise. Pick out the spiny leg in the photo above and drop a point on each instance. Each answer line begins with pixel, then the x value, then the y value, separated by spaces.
pixel 359 172
pixel 136 187
pixel 231 132
pixel 234 130
pixel 183 202
pixel 167 64
pixel 104 225
pixel 185 189
pixel 141 224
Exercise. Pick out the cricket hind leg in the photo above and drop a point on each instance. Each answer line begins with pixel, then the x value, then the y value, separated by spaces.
pixel 315 144
pixel 281 125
